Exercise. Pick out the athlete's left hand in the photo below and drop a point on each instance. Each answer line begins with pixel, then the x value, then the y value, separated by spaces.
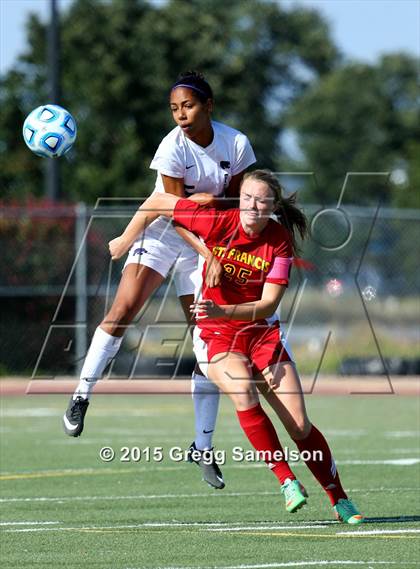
pixel 118 247
pixel 203 309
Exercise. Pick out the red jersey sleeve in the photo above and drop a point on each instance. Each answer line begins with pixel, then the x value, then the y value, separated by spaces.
pixel 282 263
pixel 196 218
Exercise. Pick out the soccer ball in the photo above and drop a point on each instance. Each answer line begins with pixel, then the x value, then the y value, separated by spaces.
pixel 49 131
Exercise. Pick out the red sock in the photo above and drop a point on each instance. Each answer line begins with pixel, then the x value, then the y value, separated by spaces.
pixel 323 469
pixel 263 437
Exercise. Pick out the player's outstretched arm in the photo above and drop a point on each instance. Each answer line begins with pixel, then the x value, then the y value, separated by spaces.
pixel 155 205
pixel 249 311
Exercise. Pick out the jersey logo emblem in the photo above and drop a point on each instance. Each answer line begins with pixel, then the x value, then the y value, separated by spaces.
pixel 140 251
pixel 188 167
pixel 225 164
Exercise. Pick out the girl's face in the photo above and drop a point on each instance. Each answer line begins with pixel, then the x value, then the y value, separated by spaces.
pixel 256 204
pixel 189 112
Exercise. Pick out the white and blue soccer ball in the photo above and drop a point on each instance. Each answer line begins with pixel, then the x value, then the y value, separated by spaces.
pixel 49 131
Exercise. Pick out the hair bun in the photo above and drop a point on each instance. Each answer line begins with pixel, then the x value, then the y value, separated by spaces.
pixel 195 81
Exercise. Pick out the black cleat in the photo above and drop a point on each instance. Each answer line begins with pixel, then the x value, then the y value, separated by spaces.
pixel 209 467
pixel 73 418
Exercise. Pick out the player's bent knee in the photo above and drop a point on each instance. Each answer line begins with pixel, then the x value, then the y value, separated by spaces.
pixel 119 315
pixel 299 429
pixel 243 397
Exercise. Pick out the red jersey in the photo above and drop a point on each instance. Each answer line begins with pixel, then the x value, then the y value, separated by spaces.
pixel 249 261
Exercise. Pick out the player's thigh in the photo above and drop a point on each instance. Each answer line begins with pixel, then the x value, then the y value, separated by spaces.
pixel 186 301
pixel 281 387
pixel 137 284
pixel 186 273
pixel 185 277
pixel 232 374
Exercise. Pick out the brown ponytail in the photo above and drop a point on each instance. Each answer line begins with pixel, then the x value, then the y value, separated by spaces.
pixel 285 209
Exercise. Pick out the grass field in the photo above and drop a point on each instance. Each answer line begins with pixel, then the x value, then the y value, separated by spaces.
pixel 62 507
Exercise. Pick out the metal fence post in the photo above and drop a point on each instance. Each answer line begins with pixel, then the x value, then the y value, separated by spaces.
pixel 81 286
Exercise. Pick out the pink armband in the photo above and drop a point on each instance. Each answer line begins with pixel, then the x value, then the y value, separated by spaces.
pixel 280 268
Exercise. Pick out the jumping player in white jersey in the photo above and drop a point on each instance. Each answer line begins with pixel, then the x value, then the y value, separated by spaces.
pixel 198 156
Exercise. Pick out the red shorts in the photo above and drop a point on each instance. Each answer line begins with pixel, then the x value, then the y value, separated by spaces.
pixel 260 343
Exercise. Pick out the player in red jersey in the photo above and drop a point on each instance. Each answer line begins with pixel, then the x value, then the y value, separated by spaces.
pixel 237 339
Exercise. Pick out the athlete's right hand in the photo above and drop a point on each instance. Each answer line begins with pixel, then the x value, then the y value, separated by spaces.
pixel 203 309
pixel 118 247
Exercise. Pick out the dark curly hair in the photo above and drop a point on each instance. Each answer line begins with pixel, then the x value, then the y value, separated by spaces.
pixel 195 81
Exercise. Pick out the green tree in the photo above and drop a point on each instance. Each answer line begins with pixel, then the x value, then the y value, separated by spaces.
pixel 119 59
pixel 363 118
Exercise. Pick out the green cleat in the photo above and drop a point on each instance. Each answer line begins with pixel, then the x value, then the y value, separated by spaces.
pixel 345 511
pixel 294 494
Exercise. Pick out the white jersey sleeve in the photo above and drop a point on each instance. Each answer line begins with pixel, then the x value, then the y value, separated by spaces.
pixel 169 159
pixel 244 154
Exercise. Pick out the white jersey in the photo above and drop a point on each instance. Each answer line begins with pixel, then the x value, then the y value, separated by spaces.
pixel 208 169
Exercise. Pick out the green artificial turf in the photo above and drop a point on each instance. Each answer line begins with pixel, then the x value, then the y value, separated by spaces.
pixel 62 507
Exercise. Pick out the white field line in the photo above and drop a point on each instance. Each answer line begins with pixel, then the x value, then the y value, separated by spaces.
pixel 200 525
pixel 74 528
pixel 84 471
pixel 409 461
pixel 125 526
pixel 28 523
pixel 131 440
pixel 404 450
pixel 393 462
pixel 205 526
pixel 31 412
pixel 361 452
pixel 102 471
pixel 401 434
pixel 322 525
pixel 356 433
pixel 339 563
pixel 137 497
pixel 183 496
pixel 216 527
pixel 123 440
pixel 49 412
pixel 379 531
pixel 261 528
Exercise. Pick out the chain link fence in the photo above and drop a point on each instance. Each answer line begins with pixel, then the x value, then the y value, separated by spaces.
pixel 352 307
